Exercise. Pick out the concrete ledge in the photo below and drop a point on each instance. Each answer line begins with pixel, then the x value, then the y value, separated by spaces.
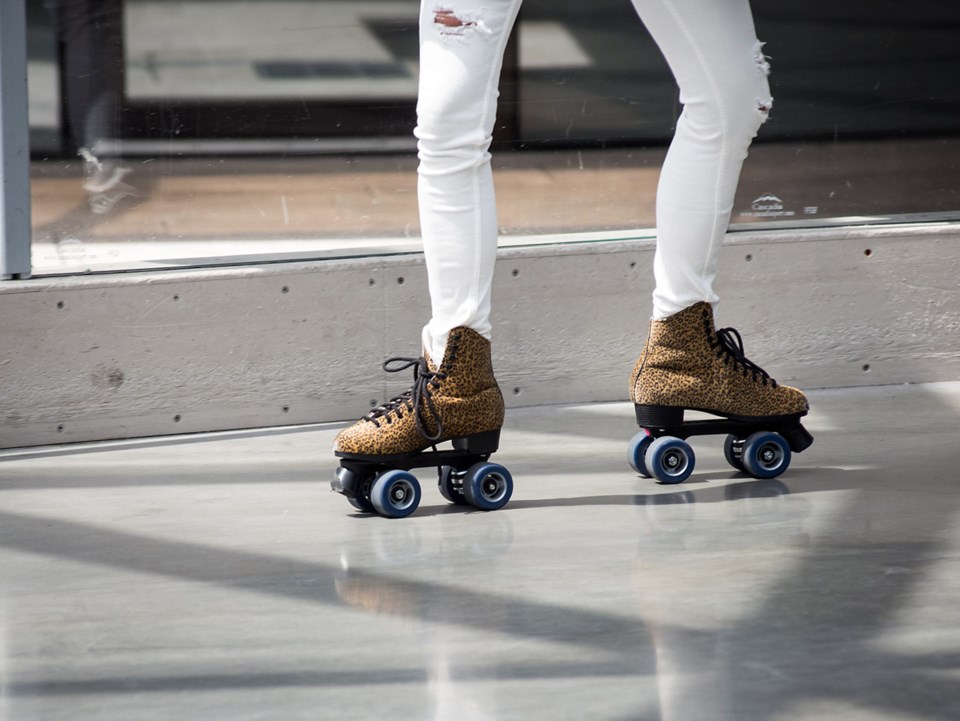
pixel 143 354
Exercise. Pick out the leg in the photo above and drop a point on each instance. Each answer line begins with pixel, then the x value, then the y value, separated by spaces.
pixel 461 52
pixel 90 33
pixel 91 38
pixel 455 395
pixel 713 51
pixel 687 363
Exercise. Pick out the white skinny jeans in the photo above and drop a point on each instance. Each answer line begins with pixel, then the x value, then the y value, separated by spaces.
pixel 712 49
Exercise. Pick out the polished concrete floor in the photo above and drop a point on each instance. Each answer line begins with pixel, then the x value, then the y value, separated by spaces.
pixel 219 579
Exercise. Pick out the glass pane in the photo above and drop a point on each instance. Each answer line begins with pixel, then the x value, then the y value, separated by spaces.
pixel 42 80
pixel 299 50
pixel 863 127
pixel 169 133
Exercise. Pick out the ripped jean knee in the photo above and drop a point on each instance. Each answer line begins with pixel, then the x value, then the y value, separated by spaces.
pixel 764 100
pixel 459 24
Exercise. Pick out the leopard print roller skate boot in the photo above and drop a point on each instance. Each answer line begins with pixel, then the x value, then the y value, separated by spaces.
pixel 460 402
pixel 687 364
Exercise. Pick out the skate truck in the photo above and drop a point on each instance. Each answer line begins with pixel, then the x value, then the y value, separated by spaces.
pixel 465 476
pixel 759 447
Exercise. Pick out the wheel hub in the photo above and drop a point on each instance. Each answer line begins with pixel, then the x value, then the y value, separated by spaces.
pixel 493 486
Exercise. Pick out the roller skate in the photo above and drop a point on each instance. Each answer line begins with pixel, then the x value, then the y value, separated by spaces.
pixel 688 365
pixel 460 402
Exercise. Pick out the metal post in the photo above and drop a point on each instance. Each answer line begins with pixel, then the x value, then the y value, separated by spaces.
pixel 14 142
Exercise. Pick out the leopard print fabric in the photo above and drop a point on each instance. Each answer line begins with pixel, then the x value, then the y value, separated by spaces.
pixel 466 397
pixel 682 366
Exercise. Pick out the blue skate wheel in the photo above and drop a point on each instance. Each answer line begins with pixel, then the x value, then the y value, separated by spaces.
pixel 450 485
pixel 395 494
pixel 765 455
pixel 636 450
pixel 670 460
pixel 733 452
pixel 487 486
pixel 361 504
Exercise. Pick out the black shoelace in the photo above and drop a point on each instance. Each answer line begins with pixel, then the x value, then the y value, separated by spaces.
pixel 417 400
pixel 729 345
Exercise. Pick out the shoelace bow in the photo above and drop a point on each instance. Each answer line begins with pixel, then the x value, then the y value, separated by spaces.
pixel 417 399
pixel 730 344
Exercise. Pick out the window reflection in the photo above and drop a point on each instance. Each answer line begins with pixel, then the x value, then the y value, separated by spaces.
pixel 178 132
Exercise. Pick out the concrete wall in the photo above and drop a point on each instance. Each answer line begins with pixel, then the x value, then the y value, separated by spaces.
pixel 136 354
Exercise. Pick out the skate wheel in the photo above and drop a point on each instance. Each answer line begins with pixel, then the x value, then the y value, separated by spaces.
pixel 450 485
pixel 765 455
pixel 733 452
pixel 636 451
pixel 395 494
pixel 361 504
pixel 487 486
pixel 670 460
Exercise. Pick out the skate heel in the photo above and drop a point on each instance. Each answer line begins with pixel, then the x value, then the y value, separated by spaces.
pixel 658 416
pixel 478 443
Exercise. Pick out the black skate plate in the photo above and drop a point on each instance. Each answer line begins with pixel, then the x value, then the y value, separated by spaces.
pixel 356 472
pixel 798 437
pixel 409 461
